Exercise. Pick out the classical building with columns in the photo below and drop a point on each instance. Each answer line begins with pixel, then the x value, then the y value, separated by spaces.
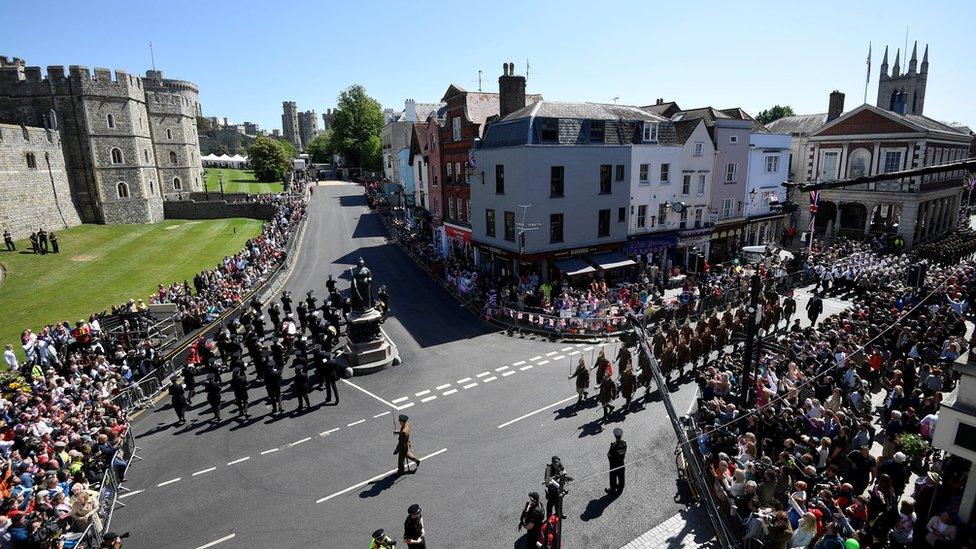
pixel 867 141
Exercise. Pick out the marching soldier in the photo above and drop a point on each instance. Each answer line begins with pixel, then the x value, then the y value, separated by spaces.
pixel 695 348
pixel 303 312
pixel 286 301
pixel 212 387
pixel 603 367
pixel 300 385
pixel 683 353
pixel 582 375
pixel 658 342
pixel 616 456
pixel 189 378
pixel 707 344
pixel 623 357
pixel 331 376
pixel 178 394
pixel 254 351
pixel 628 385
pixel 274 313
pixel 608 392
pixel 238 383
pixel 310 301
pixel 645 376
pixel 402 450
pixel 272 383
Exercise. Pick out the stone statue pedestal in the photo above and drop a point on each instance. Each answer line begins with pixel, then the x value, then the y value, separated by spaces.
pixel 368 349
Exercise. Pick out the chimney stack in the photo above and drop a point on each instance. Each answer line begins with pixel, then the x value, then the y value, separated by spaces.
pixel 511 90
pixel 660 101
pixel 836 107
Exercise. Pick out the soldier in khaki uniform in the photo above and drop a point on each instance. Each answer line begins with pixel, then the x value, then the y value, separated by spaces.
pixel 403 446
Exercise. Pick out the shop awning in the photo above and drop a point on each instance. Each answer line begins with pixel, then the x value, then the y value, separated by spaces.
pixel 610 260
pixel 574 266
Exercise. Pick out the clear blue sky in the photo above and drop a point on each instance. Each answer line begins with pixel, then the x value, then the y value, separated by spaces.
pixel 247 57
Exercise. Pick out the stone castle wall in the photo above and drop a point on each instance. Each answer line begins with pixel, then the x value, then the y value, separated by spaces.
pixel 33 197
pixel 174 131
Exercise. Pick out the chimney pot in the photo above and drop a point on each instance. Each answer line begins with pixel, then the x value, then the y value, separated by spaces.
pixel 836 106
pixel 660 101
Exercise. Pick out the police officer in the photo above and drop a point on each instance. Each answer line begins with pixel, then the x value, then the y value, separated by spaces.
pixel 331 376
pixel 238 383
pixel 272 382
pixel 616 455
pixel 381 541
pixel 212 387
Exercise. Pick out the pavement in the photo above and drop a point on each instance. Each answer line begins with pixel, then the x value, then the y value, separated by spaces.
pixel 488 411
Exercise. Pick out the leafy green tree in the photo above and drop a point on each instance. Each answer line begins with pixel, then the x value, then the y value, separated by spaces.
pixel 289 149
pixel 356 126
pixel 223 149
pixel 774 113
pixel 269 158
pixel 319 148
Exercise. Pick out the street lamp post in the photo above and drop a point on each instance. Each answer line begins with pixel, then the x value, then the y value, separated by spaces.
pixel 206 187
pixel 220 179
pixel 749 361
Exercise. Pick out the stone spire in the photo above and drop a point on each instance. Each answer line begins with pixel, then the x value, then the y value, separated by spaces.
pixel 925 60
pixel 884 64
pixel 913 63
pixel 897 70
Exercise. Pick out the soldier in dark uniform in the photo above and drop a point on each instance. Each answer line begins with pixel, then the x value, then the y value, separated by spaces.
pixel 616 456
pixel 9 241
pixel 646 375
pixel 582 375
pixel 533 515
pixel 707 344
pixel 272 382
pixel 310 301
pixel 608 392
pixel 286 301
pixel 255 305
pixel 254 351
pixel 274 314
pixel 178 393
pixel 212 387
pixel 628 385
pixel 33 242
pixel 189 373
pixel 278 354
pixel 331 376
pixel 603 368
pixel 789 309
pixel 257 324
pixel 54 243
pixel 623 358
pixel 683 353
pixel 658 342
pixel 238 383
pixel 669 360
pixel 695 348
pixel 302 311
pixel 672 331
pixel 318 359
pixel 300 385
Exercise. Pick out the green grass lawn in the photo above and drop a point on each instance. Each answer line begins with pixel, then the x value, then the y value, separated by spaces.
pixel 104 265
pixel 239 181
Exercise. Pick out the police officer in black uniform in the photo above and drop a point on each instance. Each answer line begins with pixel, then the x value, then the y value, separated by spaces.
pixel 331 377
pixel 616 455
pixel 238 382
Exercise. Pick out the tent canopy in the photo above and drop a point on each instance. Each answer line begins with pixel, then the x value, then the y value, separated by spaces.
pixel 610 260
pixel 574 266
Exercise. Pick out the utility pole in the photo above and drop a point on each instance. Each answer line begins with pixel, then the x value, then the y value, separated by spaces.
pixel 748 361
pixel 522 227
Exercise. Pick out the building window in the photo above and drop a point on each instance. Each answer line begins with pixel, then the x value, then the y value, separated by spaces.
pixel 641 216
pixel 152 188
pixel 662 214
pixel 169 133
pixel 458 175
pixel 116 156
pixel 490 223
pixel 122 188
pixel 765 198
pixel 177 184
pixel 699 149
pixel 450 207
pixel 701 184
pixel 31 161
pixel 456 128
pixel 686 184
pixel 450 173
pixel 549 130
pixel 603 223
pixel 645 170
pixel 698 218
pixel 650 132
pixel 665 174
pixel 621 214
pixel 555 228
pixel 605 173
pixel 731 169
pixel 734 139
pixel 172 157
pixel 145 155
pixel 110 121
pixel 510 226
pixel 432 147
pixel 684 219
pixel 829 166
pixel 619 175
pixel 597 128
pixel 892 161
pixel 727 208
pixel 557 176
pixel 499 179
pixel 772 163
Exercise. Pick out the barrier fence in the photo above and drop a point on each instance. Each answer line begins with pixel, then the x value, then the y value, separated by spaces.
pixel 108 496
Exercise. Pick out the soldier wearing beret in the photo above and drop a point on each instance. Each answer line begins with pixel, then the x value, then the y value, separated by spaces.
pixel 403 446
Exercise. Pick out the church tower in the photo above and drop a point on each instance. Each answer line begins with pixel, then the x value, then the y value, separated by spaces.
pixel 904 93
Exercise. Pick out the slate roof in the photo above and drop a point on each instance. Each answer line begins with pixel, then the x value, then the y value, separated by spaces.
pixel 799 124
pixel 585 111
pixel 708 114
pixel 933 125
pixel 684 128
pixel 662 108
pixel 740 114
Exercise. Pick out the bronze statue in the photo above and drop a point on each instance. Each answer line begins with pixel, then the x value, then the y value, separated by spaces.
pixel 361 288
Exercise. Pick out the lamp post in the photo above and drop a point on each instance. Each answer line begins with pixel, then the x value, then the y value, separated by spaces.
pixel 206 187
pixel 220 180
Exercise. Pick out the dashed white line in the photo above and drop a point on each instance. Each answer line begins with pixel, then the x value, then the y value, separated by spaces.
pixel 502 369
pixel 483 374
pixel 405 406
pixel 399 400
pixel 487 379
pixel 524 368
pixel 552 353
pixel 580 344
pixel 588 349
pixel 269 451
pixel 564 349
pixel 204 471
pixel 535 358
pixel 306 439
pixel 451 392
pixel 560 357
pixel 356 423
pixel 216 541
pixel 428 399
pixel 519 363
pixel 236 461
pixel 422 393
pixel 130 494
pixel 507 373
pixel 442 387
pixel 464 380
pixel 329 432
pixel 543 362
pixel 381 415
pixel 177 479
pixel 470 385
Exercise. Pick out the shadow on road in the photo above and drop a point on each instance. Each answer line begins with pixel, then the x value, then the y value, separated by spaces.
pixel 377 487
pixel 369 226
pixel 594 509
pixel 351 200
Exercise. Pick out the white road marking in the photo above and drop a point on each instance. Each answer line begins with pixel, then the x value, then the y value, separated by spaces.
pixel 564 349
pixel 483 374
pixel 132 493
pixel 204 471
pixel 236 461
pixel 442 387
pixel 553 405
pixel 464 380
pixel 377 477
pixel 535 358
pixel 329 432
pixel 519 363
pixel 560 357
pixel 216 541
pixel 487 379
pixel 580 344
pixel 507 374
pixel 269 451
pixel 502 369
pixel 177 479
pixel 306 439
pixel 422 393
pixel 381 415
pixel 524 368
pixel 405 406
pixel 351 384
pixel 552 353
pixel 470 385
pixel 399 400
pixel 428 399
pixel 447 393
pixel 588 349
pixel 574 353
pixel 543 362
pixel 356 423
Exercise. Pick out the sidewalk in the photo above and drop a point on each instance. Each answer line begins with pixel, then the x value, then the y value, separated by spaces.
pixel 688 529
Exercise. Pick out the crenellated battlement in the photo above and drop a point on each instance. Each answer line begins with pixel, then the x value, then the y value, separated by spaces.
pixel 169 103
pixel 19 81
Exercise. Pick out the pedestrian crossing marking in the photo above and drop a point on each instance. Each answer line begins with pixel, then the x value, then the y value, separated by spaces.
pixel 502 369
pixel 422 393
pixel 564 349
pixel 519 363
pixel 447 393
pixel 405 406
pixel 552 353
pixel 544 362
pixel 588 349
pixel 399 400
pixel 507 374
pixel 442 387
pixel 428 399
pixel 487 379
pixel 560 357
pixel 528 367
pixel 533 359
pixel 465 380
pixel 470 385
pixel 483 374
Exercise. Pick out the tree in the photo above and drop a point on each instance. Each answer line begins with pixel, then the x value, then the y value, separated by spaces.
pixel 319 148
pixel 269 158
pixel 356 126
pixel 774 113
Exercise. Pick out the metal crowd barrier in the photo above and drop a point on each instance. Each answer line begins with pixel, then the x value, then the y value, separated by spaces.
pixel 108 494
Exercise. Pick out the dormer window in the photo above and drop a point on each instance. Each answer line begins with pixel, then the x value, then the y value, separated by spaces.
pixel 650 132
pixel 549 130
pixel 597 128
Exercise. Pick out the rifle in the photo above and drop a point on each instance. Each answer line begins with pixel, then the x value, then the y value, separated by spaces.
pixel 525 512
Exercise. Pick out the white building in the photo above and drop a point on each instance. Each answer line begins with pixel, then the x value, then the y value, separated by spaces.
pixel 769 159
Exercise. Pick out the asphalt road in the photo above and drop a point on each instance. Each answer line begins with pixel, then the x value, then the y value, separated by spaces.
pixel 489 410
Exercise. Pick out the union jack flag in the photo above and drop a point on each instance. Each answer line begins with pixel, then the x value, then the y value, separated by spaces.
pixel 814 202
pixel 971 182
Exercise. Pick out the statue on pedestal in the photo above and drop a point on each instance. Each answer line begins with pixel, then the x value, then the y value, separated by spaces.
pixel 361 288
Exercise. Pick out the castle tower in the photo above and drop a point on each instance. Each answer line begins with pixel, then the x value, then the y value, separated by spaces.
pixel 173 107
pixel 289 124
pixel 308 126
pixel 904 93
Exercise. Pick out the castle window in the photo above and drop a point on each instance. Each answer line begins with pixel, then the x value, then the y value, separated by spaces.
pixel 177 184
pixel 152 188
pixel 145 154
pixel 123 189
pixel 116 156
pixel 169 133
pixel 110 120
pixel 172 157
pixel 31 161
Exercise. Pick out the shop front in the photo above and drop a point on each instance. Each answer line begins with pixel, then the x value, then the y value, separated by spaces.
pixel 457 241
pixel 726 240
pixel 764 229
pixel 693 247
pixel 653 249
